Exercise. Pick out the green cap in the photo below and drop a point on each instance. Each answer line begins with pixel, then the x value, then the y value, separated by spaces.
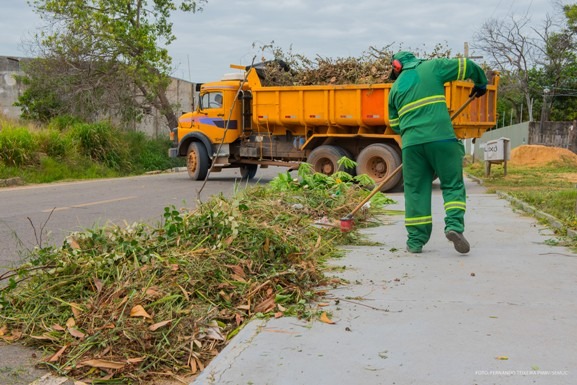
pixel 407 59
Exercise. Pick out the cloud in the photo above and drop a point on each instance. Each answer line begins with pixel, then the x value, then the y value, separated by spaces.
pixel 233 31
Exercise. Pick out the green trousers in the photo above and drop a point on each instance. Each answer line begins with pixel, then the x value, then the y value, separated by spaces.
pixel 421 163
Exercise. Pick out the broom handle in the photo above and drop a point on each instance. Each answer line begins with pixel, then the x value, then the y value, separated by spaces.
pixel 462 107
pixel 375 190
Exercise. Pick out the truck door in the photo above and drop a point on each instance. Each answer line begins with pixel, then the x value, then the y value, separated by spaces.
pixel 215 118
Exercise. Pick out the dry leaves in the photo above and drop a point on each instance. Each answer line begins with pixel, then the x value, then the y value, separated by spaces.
pixel 158 325
pixel 56 356
pixel 138 311
pixel 15 335
pixel 104 364
pixel 324 318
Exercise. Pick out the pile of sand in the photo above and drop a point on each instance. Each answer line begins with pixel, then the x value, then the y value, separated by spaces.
pixel 537 155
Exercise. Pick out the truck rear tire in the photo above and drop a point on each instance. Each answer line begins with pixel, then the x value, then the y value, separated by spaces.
pixel 377 161
pixel 197 161
pixel 324 159
pixel 248 171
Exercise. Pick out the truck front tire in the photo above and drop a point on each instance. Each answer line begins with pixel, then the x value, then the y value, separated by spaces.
pixel 197 161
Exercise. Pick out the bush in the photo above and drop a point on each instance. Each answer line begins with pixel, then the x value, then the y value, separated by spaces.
pixel 17 146
pixel 100 142
pixel 63 123
pixel 69 149
pixel 53 144
pixel 150 154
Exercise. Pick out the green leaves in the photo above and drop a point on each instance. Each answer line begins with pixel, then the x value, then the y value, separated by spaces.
pixel 17 146
pixel 101 56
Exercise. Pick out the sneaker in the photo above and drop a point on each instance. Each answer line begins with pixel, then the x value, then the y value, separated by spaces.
pixel 414 250
pixel 459 241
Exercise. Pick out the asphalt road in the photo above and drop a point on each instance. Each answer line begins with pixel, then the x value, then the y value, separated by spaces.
pixel 43 215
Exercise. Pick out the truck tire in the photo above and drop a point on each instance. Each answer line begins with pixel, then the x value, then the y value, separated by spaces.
pixel 248 171
pixel 197 161
pixel 377 161
pixel 324 159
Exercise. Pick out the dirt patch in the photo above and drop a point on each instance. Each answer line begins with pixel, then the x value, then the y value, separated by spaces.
pixel 571 177
pixel 537 155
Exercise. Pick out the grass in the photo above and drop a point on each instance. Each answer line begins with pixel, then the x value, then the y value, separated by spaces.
pixel 549 188
pixel 67 149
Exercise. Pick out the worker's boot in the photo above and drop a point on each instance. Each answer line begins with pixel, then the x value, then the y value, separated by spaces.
pixel 414 249
pixel 459 241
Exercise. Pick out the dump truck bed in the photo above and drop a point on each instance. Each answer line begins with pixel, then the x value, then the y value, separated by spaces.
pixel 360 108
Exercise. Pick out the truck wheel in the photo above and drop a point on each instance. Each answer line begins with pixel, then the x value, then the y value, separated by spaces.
pixel 377 161
pixel 324 159
pixel 197 161
pixel 248 171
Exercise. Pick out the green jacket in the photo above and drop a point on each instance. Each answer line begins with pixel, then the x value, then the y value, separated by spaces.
pixel 417 106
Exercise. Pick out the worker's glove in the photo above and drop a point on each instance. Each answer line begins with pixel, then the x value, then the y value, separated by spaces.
pixel 478 91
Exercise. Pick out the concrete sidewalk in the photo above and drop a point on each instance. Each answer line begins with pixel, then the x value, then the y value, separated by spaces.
pixel 506 313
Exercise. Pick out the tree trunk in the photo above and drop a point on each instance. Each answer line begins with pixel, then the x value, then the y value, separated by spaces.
pixel 167 110
pixel 529 106
pixel 162 104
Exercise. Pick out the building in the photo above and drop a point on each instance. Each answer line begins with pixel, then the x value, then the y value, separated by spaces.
pixel 10 87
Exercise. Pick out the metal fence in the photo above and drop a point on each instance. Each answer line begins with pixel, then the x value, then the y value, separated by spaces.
pixel 555 134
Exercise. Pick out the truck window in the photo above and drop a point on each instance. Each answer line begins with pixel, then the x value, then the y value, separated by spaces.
pixel 211 100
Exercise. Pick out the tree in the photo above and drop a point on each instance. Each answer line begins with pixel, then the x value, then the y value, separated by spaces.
pixel 88 90
pixel 106 55
pixel 570 11
pixel 537 64
pixel 511 49
pixel 556 60
pixel 560 68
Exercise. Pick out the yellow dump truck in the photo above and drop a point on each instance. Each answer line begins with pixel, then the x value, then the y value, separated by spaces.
pixel 238 122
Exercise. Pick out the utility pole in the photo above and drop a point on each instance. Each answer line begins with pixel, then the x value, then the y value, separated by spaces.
pixel 466 52
pixel 544 108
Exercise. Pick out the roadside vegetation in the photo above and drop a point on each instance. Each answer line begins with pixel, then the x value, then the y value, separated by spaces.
pixel 550 188
pixel 127 304
pixel 68 148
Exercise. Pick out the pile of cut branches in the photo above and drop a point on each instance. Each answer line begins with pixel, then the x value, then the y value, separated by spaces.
pixel 136 302
pixel 372 66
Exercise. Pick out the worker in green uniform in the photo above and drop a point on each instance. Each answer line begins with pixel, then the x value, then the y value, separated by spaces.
pixel 418 111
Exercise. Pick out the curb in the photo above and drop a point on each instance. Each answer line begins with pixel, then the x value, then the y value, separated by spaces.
pixel 17 181
pixel 167 171
pixel 550 219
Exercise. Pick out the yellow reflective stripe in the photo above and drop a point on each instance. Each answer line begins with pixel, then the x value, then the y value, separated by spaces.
pixel 421 103
pixel 455 205
pixel 417 221
pixel 394 122
pixel 462 69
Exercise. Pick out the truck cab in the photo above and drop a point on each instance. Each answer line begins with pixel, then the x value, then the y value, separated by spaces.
pixel 205 135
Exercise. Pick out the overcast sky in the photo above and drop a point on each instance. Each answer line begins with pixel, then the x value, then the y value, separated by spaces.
pixel 225 32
